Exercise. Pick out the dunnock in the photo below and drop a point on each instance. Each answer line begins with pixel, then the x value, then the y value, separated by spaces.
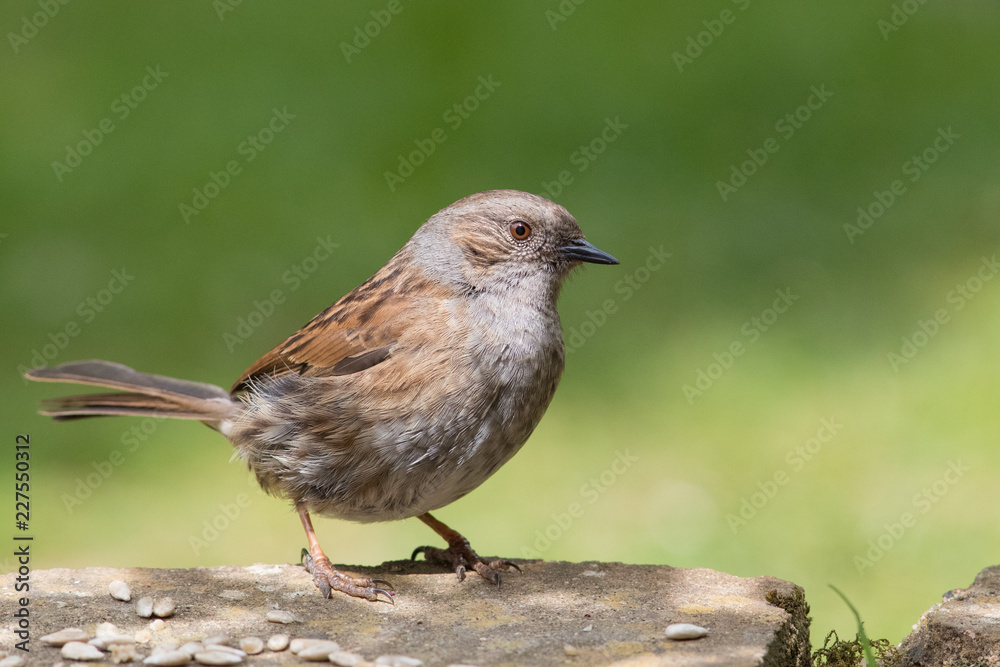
pixel 402 396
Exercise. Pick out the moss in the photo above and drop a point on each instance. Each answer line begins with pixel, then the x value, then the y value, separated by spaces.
pixel 794 637
pixel 794 603
pixel 837 652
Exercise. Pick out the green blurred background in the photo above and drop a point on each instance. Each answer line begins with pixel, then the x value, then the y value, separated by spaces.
pixel 559 81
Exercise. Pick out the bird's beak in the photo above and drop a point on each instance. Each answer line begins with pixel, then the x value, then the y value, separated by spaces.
pixel 582 250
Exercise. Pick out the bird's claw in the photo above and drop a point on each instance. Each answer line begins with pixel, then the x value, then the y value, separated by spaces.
pixel 384 583
pixel 388 596
pixel 460 557
pixel 329 579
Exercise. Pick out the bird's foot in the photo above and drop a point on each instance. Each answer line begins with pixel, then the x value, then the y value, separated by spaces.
pixel 460 557
pixel 329 579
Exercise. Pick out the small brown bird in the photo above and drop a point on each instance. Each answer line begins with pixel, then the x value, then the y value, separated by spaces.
pixel 405 394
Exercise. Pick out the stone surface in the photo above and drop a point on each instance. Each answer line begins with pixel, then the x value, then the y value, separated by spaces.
pixel 963 629
pixel 608 612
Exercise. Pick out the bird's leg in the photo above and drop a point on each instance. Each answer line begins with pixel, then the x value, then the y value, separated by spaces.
pixel 459 556
pixel 329 579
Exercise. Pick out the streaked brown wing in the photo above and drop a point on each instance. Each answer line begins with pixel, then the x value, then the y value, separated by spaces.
pixel 312 351
pixel 355 333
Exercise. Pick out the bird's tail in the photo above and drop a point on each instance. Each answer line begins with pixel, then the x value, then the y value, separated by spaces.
pixel 144 394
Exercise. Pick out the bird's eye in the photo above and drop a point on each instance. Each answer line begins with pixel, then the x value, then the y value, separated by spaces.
pixel 520 230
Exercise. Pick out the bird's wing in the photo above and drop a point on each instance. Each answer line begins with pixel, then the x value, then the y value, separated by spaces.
pixel 355 333
pixel 317 350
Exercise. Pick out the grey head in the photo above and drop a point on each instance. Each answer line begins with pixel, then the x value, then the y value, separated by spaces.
pixel 503 240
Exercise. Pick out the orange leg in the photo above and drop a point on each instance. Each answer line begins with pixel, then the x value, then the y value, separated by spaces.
pixel 459 555
pixel 330 579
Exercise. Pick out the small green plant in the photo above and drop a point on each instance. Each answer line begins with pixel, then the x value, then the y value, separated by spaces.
pixel 837 652
pixel 866 646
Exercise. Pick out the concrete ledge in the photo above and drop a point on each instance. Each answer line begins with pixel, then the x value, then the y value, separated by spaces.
pixel 609 613
pixel 963 629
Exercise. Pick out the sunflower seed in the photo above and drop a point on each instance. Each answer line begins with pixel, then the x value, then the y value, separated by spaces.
pixel 177 657
pixel 319 651
pixel 144 607
pixel 63 636
pixel 164 607
pixel 119 590
pixel 217 657
pixel 191 648
pixel 345 658
pixel 281 616
pixel 252 645
pixel 81 651
pixel 123 653
pixel 398 661
pixel 685 631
